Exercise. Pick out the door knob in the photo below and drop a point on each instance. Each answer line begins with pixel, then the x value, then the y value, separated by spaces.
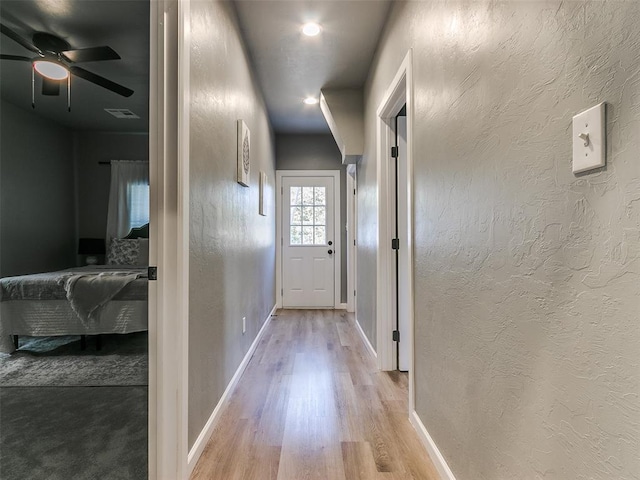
pixel 330 242
pixel 330 252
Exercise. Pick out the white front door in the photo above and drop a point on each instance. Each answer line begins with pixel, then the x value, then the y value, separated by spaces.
pixel 308 243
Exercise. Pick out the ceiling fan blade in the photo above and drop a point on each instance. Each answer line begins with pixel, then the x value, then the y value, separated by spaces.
pixel 50 87
pixel 14 57
pixel 18 39
pixel 95 54
pixel 101 81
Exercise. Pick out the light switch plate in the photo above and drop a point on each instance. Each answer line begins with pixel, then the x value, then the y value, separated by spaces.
pixel 589 139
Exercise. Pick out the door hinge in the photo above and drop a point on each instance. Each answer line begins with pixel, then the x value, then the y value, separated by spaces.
pixel 281 190
pixel 394 152
pixel 354 243
pixel 354 191
pixel 396 335
pixel 354 293
pixel 152 273
pixel 281 291
pixel 395 244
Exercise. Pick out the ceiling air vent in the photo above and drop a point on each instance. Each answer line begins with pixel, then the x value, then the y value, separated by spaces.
pixel 121 112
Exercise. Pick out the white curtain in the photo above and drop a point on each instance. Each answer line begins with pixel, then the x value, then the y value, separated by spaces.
pixel 127 198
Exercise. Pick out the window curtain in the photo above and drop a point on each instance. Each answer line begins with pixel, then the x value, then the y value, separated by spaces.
pixel 128 179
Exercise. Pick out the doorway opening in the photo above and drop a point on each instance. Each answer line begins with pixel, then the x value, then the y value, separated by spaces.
pixel 395 227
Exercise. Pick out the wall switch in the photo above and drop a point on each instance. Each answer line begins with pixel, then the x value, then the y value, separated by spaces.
pixel 589 139
pixel 244 325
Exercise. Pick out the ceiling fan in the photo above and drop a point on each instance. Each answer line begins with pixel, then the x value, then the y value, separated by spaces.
pixel 55 62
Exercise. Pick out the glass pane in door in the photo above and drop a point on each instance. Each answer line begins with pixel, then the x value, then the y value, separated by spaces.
pixel 307 223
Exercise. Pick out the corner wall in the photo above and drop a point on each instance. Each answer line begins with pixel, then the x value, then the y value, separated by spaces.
pixel 232 247
pixel 37 203
pixel 527 277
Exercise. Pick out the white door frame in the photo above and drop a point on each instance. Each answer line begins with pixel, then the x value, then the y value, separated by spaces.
pixel 399 93
pixel 352 229
pixel 169 237
pixel 337 231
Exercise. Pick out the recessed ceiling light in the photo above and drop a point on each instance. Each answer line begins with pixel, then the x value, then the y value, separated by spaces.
pixel 311 29
pixel 311 100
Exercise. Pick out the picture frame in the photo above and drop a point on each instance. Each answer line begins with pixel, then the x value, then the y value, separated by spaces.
pixel 263 185
pixel 244 154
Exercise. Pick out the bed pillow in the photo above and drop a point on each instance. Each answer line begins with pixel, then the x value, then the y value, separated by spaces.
pixel 123 251
pixel 143 252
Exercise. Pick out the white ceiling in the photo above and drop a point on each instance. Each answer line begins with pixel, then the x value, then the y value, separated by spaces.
pixel 121 24
pixel 291 66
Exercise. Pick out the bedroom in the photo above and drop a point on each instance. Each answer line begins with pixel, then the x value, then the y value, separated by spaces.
pixel 55 179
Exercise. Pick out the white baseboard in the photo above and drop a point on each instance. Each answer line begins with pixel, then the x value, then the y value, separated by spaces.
pixel 366 340
pixel 207 431
pixel 436 457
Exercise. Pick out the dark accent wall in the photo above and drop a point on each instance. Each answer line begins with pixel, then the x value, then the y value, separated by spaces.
pixel 37 199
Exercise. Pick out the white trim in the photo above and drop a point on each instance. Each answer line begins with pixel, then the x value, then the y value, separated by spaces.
pixel 352 228
pixel 436 457
pixel 202 440
pixel 155 105
pixel 169 237
pixel 183 225
pixel 342 306
pixel 337 247
pixel 399 93
pixel 366 341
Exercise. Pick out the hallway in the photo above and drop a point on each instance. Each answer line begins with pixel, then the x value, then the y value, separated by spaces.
pixel 312 405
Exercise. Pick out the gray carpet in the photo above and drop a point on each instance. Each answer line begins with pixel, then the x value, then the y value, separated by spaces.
pixel 73 433
pixel 59 361
pixel 72 414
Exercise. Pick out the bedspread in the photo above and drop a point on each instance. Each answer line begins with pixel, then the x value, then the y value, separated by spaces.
pixel 51 285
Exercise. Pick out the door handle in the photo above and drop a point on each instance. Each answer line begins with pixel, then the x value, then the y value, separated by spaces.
pixel 330 252
pixel 330 243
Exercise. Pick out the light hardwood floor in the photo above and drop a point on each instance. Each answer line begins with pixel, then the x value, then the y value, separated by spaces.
pixel 312 405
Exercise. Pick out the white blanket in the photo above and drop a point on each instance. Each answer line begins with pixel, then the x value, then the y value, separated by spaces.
pixel 88 292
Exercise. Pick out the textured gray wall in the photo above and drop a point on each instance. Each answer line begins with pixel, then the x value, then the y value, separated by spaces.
pixel 232 248
pixel 94 179
pixel 527 289
pixel 317 152
pixel 37 217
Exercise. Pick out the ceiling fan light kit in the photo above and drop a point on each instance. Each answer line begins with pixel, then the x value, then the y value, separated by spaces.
pixel 51 69
pixel 55 62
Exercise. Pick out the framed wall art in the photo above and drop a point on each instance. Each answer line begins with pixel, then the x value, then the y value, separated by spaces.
pixel 263 185
pixel 244 148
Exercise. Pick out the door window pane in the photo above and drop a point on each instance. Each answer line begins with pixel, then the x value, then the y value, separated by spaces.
pixel 319 236
pixel 296 236
pixel 307 223
pixel 319 194
pixel 307 195
pixel 319 216
pixel 296 215
pixel 307 215
pixel 296 196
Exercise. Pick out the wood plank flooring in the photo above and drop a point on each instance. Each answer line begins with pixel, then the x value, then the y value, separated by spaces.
pixel 311 405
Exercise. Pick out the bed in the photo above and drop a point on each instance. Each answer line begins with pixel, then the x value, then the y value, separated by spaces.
pixel 89 300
